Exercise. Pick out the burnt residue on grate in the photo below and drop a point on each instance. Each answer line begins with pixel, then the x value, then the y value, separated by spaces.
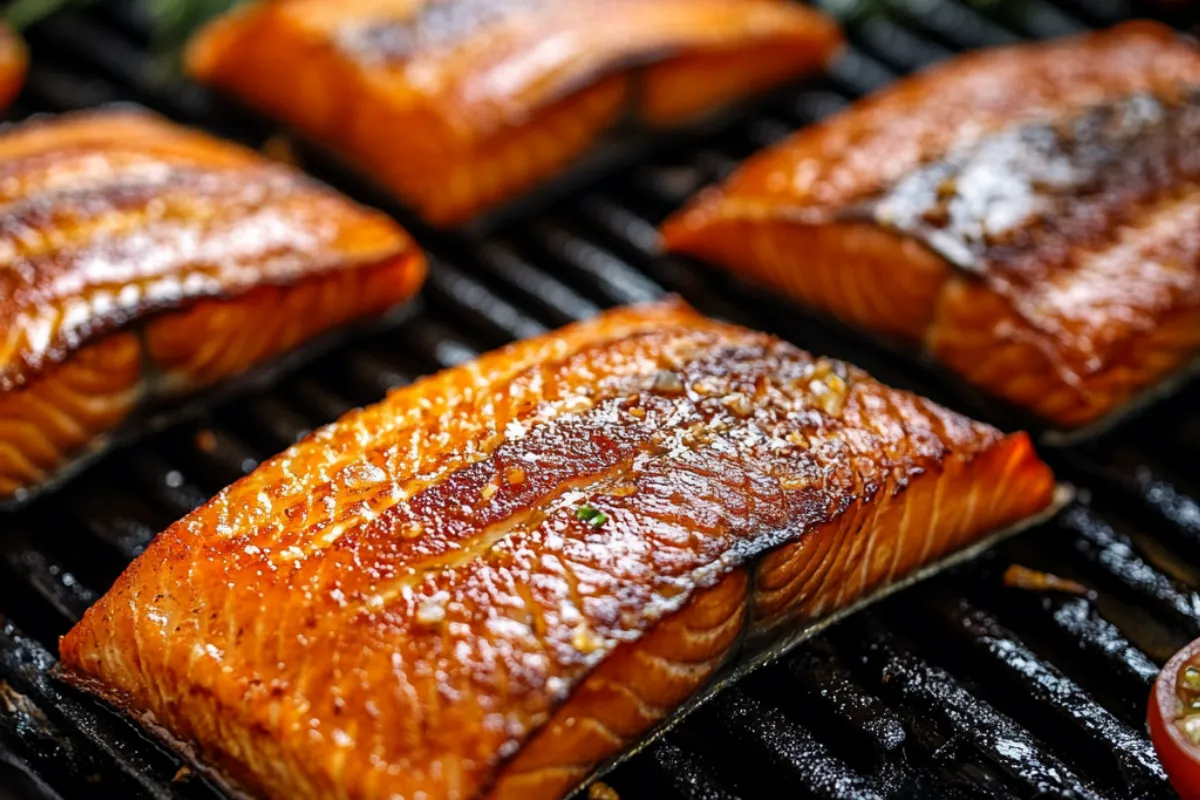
pixel 959 688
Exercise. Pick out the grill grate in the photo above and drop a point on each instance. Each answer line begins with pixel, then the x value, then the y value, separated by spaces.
pixel 959 688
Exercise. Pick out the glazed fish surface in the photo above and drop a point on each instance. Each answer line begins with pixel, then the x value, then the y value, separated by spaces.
pixel 457 105
pixel 140 262
pixel 503 575
pixel 1030 214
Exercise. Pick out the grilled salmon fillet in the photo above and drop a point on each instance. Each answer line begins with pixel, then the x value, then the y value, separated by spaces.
pixel 504 574
pixel 142 261
pixel 1031 214
pixel 457 105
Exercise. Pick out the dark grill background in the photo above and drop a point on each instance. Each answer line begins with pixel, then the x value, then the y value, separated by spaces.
pixel 960 688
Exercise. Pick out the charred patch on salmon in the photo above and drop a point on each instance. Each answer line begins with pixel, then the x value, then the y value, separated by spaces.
pixel 127 248
pixel 1024 213
pixel 599 448
pixel 499 576
pixel 434 24
pixel 1018 203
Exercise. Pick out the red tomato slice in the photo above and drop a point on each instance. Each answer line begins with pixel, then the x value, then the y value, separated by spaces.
pixel 1179 756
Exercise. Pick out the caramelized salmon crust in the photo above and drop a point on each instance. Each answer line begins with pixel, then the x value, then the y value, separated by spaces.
pixel 1031 214
pixel 143 260
pixel 457 105
pixel 504 574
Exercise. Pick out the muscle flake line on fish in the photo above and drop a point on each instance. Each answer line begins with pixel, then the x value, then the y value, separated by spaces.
pixel 516 609
pixel 144 262
pixel 1029 214
pixel 459 105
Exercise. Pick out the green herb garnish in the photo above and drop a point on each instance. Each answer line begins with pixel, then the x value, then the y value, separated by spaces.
pixel 591 515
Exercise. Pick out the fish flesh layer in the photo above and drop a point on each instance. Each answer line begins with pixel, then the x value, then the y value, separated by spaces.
pixel 502 575
pixel 457 105
pixel 1031 214
pixel 140 261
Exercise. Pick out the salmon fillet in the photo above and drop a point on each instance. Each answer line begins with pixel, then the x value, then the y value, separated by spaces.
pixel 502 575
pixel 143 261
pixel 1031 214
pixel 457 105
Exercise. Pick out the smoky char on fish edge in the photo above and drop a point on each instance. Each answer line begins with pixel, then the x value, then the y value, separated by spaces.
pixel 506 575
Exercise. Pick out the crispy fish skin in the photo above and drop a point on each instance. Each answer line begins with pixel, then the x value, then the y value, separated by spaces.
pixel 143 260
pixel 504 574
pixel 1027 213
pixel 457 105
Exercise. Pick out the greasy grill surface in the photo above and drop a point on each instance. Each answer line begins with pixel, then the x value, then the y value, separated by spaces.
pixel 958 688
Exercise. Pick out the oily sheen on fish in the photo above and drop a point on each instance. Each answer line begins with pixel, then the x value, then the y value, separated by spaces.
pixel 457 105
pixel 143 262
pixel 1031 214
pixel 502 575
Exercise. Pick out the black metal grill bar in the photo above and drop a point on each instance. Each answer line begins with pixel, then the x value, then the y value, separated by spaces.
pixel 959 689
pixel 1025 761
pixel 681 773
pixel 1007 660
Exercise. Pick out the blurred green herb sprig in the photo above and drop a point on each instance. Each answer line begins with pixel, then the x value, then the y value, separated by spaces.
pixel 172 21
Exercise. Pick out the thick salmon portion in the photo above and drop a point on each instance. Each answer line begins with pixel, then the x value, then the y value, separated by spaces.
pixel 43 425
pixel 504 574
pixel 1028 213
pixel 145 260
pixel 457 105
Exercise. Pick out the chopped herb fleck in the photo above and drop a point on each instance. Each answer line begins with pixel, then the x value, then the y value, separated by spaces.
pixel 592 515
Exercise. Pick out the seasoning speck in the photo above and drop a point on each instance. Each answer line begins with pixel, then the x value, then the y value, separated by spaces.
pixel 738 403
pixel 591 515
pixel 431 613
pixel 584 640
pixel 829 388
pixel 181 775
pixel 666 382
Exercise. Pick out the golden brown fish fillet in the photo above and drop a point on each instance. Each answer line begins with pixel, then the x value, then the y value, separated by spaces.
pixel 504 574
pixel 457 105
pixel 1031 214
pixel 141 260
